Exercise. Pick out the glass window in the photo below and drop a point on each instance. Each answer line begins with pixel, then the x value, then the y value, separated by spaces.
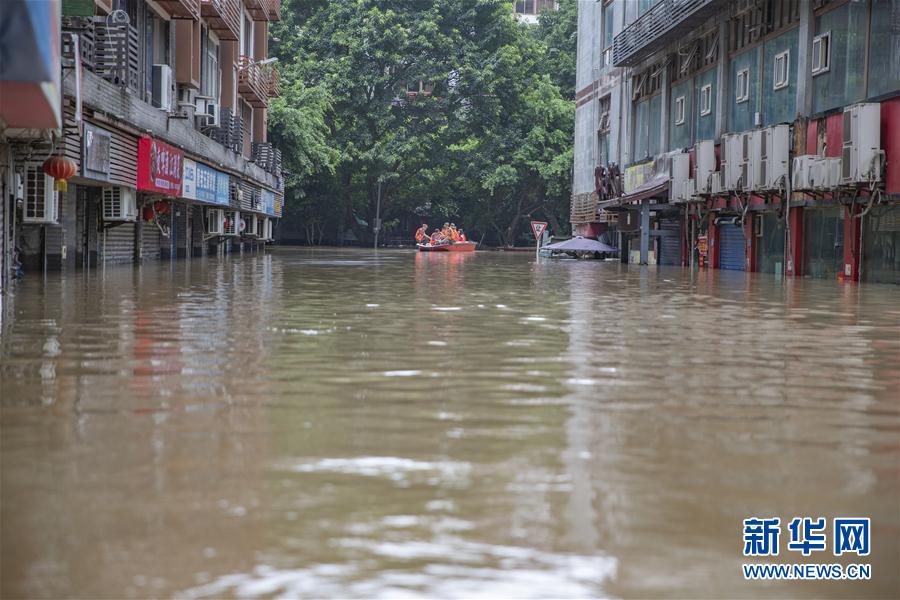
pixel 843 81
pixel 655 120
pixel 609 10
pixel 680 129
pixel 641 130
pixel 706 118
pixel 881 241
pixel 820 53
pixel 823 233
pixel 780 101
pixel 743 104
pixel 884 48
pixel 769 244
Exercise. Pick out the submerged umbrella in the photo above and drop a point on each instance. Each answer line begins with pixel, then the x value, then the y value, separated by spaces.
pixel 581 244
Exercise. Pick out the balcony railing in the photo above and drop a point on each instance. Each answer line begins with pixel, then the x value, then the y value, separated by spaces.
pixel 184 9
pixel 251 82
pixel 665 22
pixel 274 10
pixel 259 9
pixel 223 17
pixel 274 84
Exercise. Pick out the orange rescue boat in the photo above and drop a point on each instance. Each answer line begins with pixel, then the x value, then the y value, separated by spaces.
pixel 449 247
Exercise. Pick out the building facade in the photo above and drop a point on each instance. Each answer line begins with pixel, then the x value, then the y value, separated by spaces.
pixel 732 134
pixel 159 121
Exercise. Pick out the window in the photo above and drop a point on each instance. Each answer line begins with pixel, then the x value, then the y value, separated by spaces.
pixel 679 110
pixel 782 70
pixel 248 36
pixel 742 86
pixel 706 99
pixel 209 66
pixel 821 53
pixel 608 23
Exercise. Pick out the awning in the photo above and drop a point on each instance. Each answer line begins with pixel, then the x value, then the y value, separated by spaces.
pixel 656 187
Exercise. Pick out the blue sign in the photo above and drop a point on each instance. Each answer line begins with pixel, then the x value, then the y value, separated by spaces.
pixel 204 183
pixel 268 202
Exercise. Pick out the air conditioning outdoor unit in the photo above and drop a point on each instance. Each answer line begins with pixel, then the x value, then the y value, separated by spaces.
pixel 250 228
pixel 774 153
pixel 750 158
pixel 803 172
pixel 206 112
pixel 232 222
pixel 732 148
pixel 41 200
pixel 679 171
pixel 715 184
pixel 861 152
pixel 690 190
pixel 215 221
pixel 119 204
pixel 832 172
pixel 704 165
pixel 162 87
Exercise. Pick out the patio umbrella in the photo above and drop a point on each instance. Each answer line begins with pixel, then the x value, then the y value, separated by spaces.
pixel 580 244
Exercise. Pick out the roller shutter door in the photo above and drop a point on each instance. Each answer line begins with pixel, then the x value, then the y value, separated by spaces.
pixel 670 242
pixel 150 241
pixel 731 248
pixel 118 243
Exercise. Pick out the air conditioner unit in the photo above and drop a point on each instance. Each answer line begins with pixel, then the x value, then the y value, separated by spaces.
pixel 773 145
pixel 715 184
pixel 206 112
pixel 732 149
pixel 162 87
pixel 250 227
pixel 750 145
pixel 679 172
pixel 215 221
pixel 831 172
pixel 690 190
pixel 704 165
pixel 119 204
pixel 861 152
pixel 232 222
pixel 803 172
pixel 41 200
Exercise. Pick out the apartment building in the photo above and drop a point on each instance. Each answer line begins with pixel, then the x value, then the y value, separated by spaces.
pixel 527 11
pixel 742 135
pixel 158 148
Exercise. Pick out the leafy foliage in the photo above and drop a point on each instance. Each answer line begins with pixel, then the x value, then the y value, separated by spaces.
pixel 451 109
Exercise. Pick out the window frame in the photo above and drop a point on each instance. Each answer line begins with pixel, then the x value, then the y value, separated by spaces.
pixel 778 84
pixel 742 95
pixel 707 90
pixel 680 116
pixel 823 39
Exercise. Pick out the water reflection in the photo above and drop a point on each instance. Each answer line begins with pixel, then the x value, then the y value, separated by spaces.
pixel 341 423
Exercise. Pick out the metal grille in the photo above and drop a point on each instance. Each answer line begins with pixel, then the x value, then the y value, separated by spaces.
pixel 663 23
pixel 116 56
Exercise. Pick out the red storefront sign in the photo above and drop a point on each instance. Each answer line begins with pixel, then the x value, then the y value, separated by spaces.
pixel 159 167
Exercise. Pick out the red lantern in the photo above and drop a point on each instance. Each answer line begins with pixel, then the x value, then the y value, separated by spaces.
pixel 161 207
pixel 60 168
pixel 147 213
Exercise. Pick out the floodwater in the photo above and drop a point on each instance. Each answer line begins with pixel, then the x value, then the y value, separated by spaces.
pixel 351 424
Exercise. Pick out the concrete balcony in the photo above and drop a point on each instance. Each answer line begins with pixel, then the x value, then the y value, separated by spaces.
pixel 182 9
pixel 252 84
pixel 223 17
pixel 665 22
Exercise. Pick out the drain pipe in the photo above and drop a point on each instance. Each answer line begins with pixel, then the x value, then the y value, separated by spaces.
pixel 787 227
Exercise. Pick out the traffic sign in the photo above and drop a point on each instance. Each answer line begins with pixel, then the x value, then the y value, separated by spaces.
pixel 538 228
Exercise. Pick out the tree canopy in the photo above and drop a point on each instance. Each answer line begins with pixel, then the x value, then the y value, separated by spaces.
pixel 451 109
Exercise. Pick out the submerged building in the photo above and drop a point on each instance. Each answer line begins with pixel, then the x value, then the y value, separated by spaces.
pixel 743 135
pixel 139 133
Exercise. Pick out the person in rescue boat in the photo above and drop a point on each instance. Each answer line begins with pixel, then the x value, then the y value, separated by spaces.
pixel 453 233
pixel 438 238
pixel 422 233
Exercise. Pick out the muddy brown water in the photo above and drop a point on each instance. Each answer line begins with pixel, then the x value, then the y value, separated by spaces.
pixel 334 423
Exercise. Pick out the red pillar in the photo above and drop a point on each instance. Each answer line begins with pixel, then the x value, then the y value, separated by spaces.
pixel 851 244
pixel 750 245
pixel 793 247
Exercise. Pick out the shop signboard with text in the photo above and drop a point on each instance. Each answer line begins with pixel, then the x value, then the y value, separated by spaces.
pixel 159 167
pixel 204 184
pixel 268 202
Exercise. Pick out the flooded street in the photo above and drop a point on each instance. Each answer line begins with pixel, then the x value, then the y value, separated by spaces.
pixel 314 423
